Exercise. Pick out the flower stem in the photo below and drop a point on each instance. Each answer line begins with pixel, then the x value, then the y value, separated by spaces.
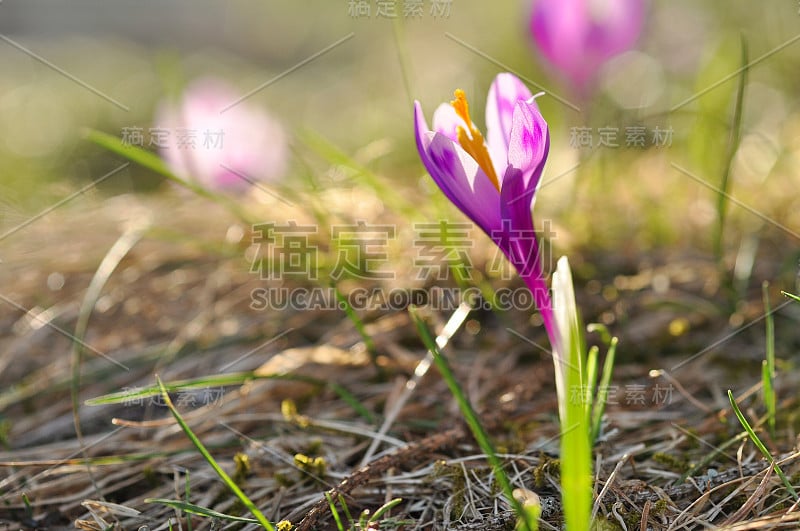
pixel 541 296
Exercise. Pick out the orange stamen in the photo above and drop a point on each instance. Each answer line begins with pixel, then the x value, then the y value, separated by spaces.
pixel 472 142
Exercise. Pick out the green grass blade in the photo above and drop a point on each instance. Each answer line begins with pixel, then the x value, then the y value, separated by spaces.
pixel 336 156
pixel 144 158
pixel 600 328
pixel 733 146
pixel 131 395
pixel 153 162
pixel 760 445
pixel 359 324
pixel 363 519
pixel 222 380
pixel 107 266
pixel 601 398
pixel 768 368
pixel 345 508
pixel 576 453
pixel 212 462
pixel 383 509
pixel 791 296
pixel 470 416
pixel 351 400
pixel 590 385
pixel 398 32
pixel 334 512
pixel 28 507
pixel 769 396
pixel 532 515
pixel 191 508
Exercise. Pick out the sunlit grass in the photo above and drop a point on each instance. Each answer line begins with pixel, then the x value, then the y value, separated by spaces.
pixel 226 479
pixel 366 520
pixel 474 422
pixel 760 445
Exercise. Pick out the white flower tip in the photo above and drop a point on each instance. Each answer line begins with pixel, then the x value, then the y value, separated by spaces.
pixel 564 298
pixel 532 98
pixel 563 270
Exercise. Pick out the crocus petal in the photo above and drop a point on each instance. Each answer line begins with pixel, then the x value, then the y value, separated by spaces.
pixel 446 121
pixel 517 222
pixel 520 242
pixel 458 175
pixel 528 144
pixel 505 92
pixel 464 182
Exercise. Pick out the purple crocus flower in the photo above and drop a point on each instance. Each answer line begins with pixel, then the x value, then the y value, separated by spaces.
pixel 221 147
pixel 578 36
pixel 494 181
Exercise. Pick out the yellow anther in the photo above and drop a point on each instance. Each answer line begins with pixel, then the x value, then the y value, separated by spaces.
pixel 472 141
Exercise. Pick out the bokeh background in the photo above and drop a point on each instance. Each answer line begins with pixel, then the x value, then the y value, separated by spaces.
pixel 358 96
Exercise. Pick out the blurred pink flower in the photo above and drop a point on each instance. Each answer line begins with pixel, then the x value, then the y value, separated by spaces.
pixel 217 147
pixel 578 36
